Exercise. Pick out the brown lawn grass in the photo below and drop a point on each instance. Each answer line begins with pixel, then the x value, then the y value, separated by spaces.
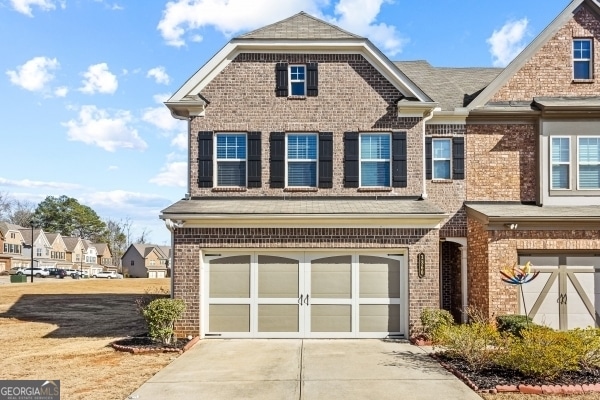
pixel 61 329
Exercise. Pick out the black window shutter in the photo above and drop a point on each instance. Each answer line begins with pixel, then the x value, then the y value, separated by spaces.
pixel 351 159
pixel 205 159
pixel 428 158
pixel 399 168
pixel 326 160
pixel 277 152
pixel 281 79
pixel 458 158
pixel 312 79
pixel 254 160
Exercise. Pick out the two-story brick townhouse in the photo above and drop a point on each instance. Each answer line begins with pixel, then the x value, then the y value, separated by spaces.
pixel 311 210
pixel 12 248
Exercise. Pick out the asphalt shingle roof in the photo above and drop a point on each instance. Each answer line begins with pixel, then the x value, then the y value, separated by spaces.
pixel 526 211
pixel 300 26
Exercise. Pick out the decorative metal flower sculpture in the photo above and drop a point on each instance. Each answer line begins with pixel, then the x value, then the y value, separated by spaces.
pixel 519 276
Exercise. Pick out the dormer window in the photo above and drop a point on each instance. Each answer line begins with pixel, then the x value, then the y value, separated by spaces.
pixel 582 59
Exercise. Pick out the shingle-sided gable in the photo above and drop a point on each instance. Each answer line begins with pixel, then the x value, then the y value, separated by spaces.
pixel 545 67
pixel 300 26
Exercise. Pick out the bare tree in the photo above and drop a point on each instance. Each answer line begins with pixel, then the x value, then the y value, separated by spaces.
pixel 21 213
pixel 5 203
pixel 143 238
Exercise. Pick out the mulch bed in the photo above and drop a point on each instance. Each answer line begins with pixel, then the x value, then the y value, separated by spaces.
pixel 145 344
pixel 490 378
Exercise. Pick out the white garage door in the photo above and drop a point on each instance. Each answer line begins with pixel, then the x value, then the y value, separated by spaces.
pixel 566 294
pixel 151 274
pixel 303 295
pixel 160 274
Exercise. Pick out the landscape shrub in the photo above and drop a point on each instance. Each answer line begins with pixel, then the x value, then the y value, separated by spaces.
pixel 513 324
pixel 160 315
pixel 589 357
pixel 149 295
pixel 541 352
pixel 475 343
pixel 433 320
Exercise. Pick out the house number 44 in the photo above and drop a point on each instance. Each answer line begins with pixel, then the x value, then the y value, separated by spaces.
pixel 421 265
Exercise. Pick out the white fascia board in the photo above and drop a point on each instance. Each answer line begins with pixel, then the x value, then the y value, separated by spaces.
pixel 458 116
pixel 427 221
pixel 415 109
pixel 230 51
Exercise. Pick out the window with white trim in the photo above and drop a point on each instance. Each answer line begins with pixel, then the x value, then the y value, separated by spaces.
pixel 560 155
pixel 301 160
pixel 231 159
pixel 588 163
pixel 297 80
pixel 582 59
pixel 375 166
pixel 442 158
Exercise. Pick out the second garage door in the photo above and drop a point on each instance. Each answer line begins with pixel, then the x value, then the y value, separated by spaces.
pixel 303 295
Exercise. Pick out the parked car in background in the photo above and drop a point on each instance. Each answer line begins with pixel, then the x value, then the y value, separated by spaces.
pixel 36 271
pixel 16 271
pixel 57 272
pixel 106 274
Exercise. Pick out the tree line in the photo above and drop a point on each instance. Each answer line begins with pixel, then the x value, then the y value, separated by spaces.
pixel 65 215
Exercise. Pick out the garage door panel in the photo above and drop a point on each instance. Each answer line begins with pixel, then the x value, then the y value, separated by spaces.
pixel 230 277
pixel 278 318
pixel 379 318
pixel 331 318
pixel 229 317
pixel 379 277
pixel 278 277
pixel 331 278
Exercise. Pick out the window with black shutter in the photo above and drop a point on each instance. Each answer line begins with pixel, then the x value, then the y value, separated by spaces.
pixel 399 162
pixel 312 79
pixel 254 160
pixel 326 160
pixel 205 159
pixel 445 158
pixel 458 158
pixel 351 159
pixel 281 80
pixel 296 79
pixel 277 159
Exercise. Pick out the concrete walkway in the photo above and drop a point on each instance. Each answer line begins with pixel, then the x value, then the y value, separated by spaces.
pixel 309 369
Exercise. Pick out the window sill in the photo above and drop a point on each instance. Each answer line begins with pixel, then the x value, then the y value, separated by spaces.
pixel 229 189
pixel 374 189
pixel 301 189
pixel 582 81
pixel 442 181
pixel 296 97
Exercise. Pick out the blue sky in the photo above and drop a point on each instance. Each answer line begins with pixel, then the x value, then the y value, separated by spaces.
pixel 83 81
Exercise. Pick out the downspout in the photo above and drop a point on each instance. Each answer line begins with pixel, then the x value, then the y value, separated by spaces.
pixel 426 117
pixel 172 226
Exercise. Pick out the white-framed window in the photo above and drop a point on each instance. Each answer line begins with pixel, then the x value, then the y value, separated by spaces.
pixel 301 158
pixel 582 59
pixel 231 159
pixel 375 166
pixel 560 156
pixel 38 252
pixel 441 155
pixel 588 163
pixel 297 80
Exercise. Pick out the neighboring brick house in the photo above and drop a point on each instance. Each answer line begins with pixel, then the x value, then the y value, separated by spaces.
pixel 105 258
pixel 12 249
pixel 58 251
pixel 146 261
pixel 333 193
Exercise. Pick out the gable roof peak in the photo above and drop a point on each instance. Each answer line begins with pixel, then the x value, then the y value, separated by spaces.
pixel 300 26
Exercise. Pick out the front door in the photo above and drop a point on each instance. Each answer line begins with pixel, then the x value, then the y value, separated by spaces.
pixel 303 295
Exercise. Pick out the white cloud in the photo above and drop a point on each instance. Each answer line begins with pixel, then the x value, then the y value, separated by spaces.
pixel 161 98
pixel 122 198
pixel 61 91
pixel 24 6
pixel 507 42
pixel 99 79
pixel 172 174
pixel 180 141
pixel 161 118
pixel 113 168
pixel 27 183
pixel 359 17
pixel 99 128
pixel 159 74
pixel 34 74
pixel 228 17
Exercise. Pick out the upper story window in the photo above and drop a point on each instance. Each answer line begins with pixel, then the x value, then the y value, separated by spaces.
pixel 296 79
pixel 12 248
pixel 13 235
pixel 38 252
pixel 588 175
pixel 582 59
pixel 302 160
pixel 561 163
pixel 375 159
pixel 132 262
pixel 231 159
pixel 442 158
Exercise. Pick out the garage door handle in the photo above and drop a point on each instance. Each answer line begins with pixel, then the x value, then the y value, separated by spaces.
pixel 300 299
pixel 306 299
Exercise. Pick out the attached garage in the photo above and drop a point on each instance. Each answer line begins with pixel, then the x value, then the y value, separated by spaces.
pixel 566 294
pixel 156 274
pixel 291 294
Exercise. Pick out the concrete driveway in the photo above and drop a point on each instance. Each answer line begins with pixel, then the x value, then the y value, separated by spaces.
pixel 309 369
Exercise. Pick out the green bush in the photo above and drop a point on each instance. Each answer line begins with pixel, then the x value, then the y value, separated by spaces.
pixel 513 324
pixel 589 357
pixel 160 315
pixel 541 352
pixel 475 343
pixel 433 320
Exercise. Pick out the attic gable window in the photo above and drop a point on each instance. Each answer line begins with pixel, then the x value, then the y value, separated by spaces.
pixel 297 80
pixel 582 59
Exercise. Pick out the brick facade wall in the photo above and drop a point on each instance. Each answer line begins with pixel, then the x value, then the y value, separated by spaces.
pixel 501 162
pixel 450 264
pixel 423 292
pixel 550 71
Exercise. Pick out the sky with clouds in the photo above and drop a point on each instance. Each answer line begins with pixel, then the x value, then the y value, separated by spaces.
pixel 83 81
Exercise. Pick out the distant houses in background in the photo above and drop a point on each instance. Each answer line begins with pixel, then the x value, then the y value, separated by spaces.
pixel 146 261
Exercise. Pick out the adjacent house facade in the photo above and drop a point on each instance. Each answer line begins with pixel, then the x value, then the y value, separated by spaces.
pixel 335 193
pixel 146 261
pixel 12 247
